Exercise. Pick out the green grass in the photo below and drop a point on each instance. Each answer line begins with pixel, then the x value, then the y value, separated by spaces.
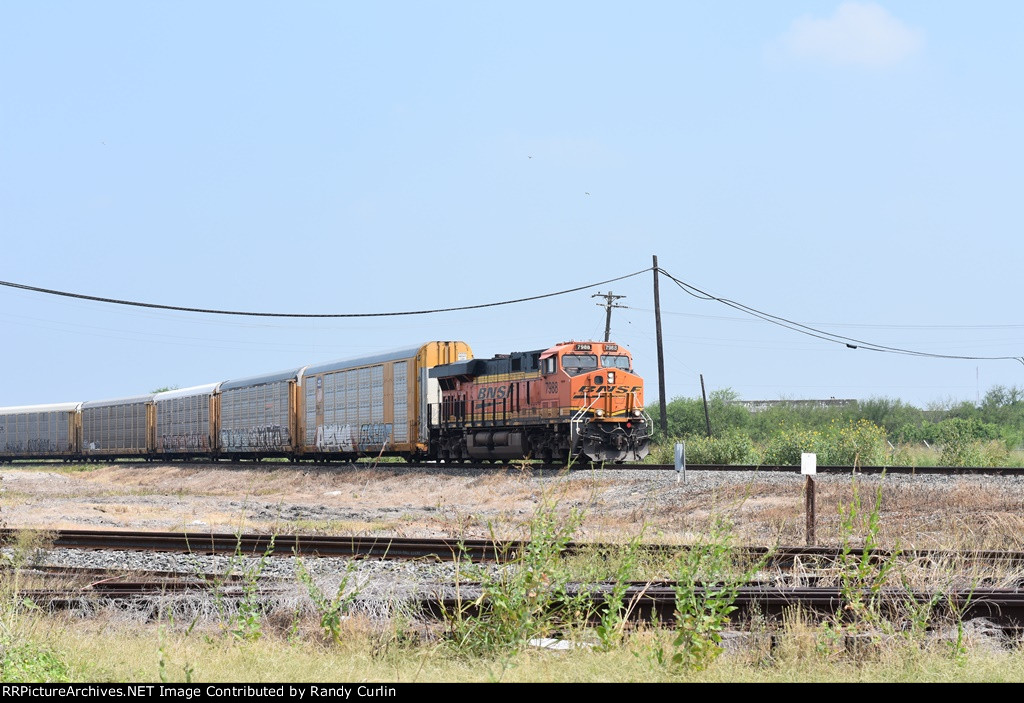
pixel 58 467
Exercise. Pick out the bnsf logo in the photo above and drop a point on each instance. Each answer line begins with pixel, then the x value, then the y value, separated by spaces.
pixel 594 390
pixel 495 393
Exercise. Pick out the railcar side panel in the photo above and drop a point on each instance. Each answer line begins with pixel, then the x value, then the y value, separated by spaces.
pixel 41 431
pixel 185 421
pixel 118 427
pixel 256 417
pixel 368 405
pixel 347 411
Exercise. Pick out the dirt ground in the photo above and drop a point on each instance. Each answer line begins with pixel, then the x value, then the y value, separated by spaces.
pixel 913 511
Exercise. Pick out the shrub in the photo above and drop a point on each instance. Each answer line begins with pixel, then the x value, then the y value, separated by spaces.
pixel 838 444
pixel 733 447
pixel 527 598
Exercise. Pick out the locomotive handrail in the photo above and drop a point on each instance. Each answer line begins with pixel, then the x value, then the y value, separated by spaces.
pixel 577 419
pixel 648 420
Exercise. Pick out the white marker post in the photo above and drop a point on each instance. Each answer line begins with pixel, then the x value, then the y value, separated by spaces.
pixel 680 461
pixel 809 467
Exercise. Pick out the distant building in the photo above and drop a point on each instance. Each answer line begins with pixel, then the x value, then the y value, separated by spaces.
pixel 756 406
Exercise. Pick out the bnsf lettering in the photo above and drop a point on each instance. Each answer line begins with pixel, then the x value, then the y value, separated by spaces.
pixel 495 393
pixel 594 390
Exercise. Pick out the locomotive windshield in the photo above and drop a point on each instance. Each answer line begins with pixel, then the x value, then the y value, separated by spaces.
pixel 616 361
pixel 575 364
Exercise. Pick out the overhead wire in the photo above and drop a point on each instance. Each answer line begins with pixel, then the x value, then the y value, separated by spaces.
pixel 850 342
pixel 209 311
pixel 834 324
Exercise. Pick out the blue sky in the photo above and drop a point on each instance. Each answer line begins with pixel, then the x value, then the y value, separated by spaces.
pixel 852 166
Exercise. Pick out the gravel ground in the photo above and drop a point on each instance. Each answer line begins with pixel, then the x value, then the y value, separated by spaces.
pixel 927 511
pixel 923 511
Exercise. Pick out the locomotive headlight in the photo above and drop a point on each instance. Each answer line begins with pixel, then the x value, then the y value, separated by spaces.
pixel 636 413
pixel 611 377
pixel 599 412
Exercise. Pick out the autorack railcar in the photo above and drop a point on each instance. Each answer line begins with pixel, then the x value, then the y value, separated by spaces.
pixel 120 427
pixel 373 405
pixel 187 421
pixel 433 401
pixel 39 431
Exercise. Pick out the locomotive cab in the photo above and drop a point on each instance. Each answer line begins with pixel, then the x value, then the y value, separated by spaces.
pixel 607 421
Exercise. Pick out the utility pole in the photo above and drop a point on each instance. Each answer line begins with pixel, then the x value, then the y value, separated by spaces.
pixel 704 395
pixel 609 304
pixel 661 353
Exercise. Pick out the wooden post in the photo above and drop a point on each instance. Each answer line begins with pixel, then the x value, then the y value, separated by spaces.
pixel 809 467
pixel 809 493
pixel 661 352
pixel 704 395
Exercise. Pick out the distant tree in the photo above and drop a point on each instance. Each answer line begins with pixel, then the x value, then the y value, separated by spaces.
pixel 686 415
pixel 162 389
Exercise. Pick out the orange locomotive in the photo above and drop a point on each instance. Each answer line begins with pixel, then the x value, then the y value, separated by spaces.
pixel 575 401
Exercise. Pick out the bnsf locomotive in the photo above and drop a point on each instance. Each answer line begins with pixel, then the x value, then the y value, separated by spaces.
pixel 576 400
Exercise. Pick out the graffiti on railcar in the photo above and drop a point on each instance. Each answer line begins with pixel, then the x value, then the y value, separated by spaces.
pixel 350 438
pixel 374 434
pixel 34 446
pixel 266 437
pixel 41 444
pixel 184 442
pixel 338 438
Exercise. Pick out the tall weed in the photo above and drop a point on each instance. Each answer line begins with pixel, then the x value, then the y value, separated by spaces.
pixel 707 581
pixel 528 597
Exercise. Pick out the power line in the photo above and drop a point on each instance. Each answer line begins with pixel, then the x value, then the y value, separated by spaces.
pixel 850 342
pixel 134 303
pixel 878 326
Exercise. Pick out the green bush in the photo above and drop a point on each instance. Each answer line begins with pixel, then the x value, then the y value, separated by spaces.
pixel 968 435
pixel 734 447
pixel 837 444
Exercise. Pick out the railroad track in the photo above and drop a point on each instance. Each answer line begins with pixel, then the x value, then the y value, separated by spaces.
pixel 875 470
pixel 645 601
pixel 1004 608
pixel 537 466
pixel 1001 608
pixel 87 575
pixel 441 549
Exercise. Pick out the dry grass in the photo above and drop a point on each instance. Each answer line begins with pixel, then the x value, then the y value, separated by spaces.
pixel 97 652
pixel 293 648
pixel 963 513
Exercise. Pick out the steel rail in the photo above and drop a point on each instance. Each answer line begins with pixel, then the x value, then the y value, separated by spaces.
pixel 657 603
pixel 121 573
pixel 442 549
pixel 530 465
pixel 763 468
pixel 1003 608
